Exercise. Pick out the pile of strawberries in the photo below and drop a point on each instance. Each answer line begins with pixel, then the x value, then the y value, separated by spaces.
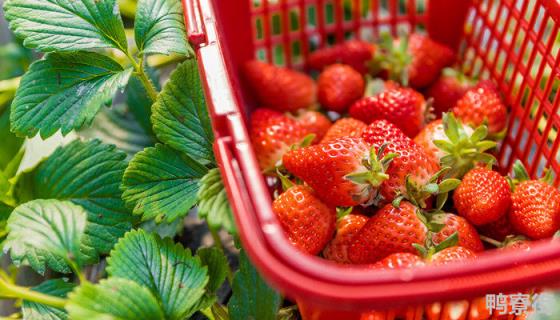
pixel 386 159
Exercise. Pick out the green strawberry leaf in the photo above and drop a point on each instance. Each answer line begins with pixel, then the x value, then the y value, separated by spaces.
pixel 217 264
pixel 116 125
pixel 37 311
pixel 172 274
pixel 213 203
pixel 180 117
pixel 159 27
pixel 66 25
pixel 46 232
pixel 113 298
pixel 65 91
pixel 161 183
pixel 138 100
pixel 5 212
pixel 87 174
pixel 252 298
pixel 11 144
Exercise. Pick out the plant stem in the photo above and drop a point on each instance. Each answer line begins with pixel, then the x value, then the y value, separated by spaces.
pixel 9 85
pixel 218 244
pixel 77 271
pixel 491 241
pixel 208 313
pixel 9 290
pixel 139 69
pixel 128 8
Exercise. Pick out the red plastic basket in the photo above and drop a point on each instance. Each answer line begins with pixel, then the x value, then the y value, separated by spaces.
pixel 511 42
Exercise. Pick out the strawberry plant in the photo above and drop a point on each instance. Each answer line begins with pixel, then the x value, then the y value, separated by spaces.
pixel 98 216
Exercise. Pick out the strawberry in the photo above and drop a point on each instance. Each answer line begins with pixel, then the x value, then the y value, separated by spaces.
pixel 354 53
pixel 411 164
pixel 344 172
pixel 339 86
pixel 307 222
pixel 404 107
pixel 452 255
pixel 535 209
pixel 447 90
pixel 416 60
pixel 272 135
pixel 480 105
pixel 345 127
pixel 452 144
pixel 498 230
pixel 346 229
pixel 314 122
pixel 279 88
pixel 535 205
pixel 468 237
pixel 400 260
pixel 390 230
pixel 517 243
pixel 483 196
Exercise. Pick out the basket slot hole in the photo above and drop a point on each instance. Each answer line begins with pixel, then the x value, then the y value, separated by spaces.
pixel 540 17
pixel 554 89
pixel 552 135
pixel 294 20
pixel 279 55
pixel 541 166
pixel 546 77
pixel 506 155
pixel 312 16
pixel 329 13
pixel 276 24
pixel 259 34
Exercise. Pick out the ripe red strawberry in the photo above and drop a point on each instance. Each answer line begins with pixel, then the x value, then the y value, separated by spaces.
pixel 272 135
pixel 483 196
pixel 412 162
pixel 404 107
pixel 314 122
pixel 468 237
pixel 455 145
pixel 339 86
pixel 452 255
pixel 345 127
pixel 279 88
pixel 344 172
pixel 390 230
pixel 447 90
pixel 308 223
pixel 346 229
pixel 401 260
pixel 535 209
pixel 354 53
pixel 417 60
pixel 498 230
pixel 482 104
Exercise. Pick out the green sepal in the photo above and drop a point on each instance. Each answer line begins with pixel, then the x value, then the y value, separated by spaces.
pixel 422 251
pixel 450 241
pixel 342 212
pixel 519 172
pixel 394 60
pixel 448 184
pixel 463 150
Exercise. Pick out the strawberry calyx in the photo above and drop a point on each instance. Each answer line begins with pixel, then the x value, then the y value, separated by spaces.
pixel 509 240
pixel 520 174
pixel 392 59
pixel 342 212
pixel 418 195
pixel 376 165
pixel 427 250
pixel 305 142
pixel 463 149
pixel 457 75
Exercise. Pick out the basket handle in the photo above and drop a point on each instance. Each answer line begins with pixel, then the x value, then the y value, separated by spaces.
pixel 193 22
